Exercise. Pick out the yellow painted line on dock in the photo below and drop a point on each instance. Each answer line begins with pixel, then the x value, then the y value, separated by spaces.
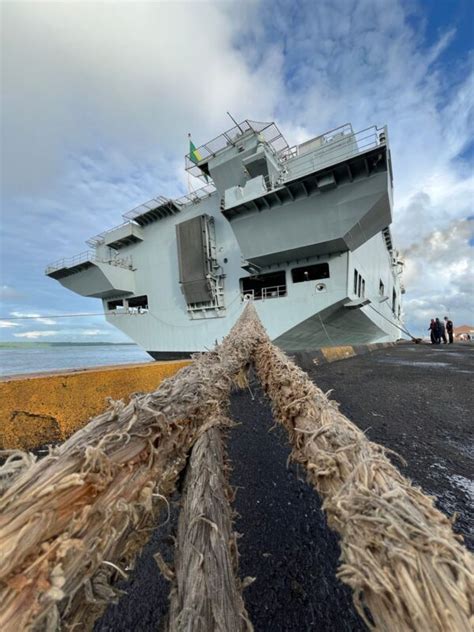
pixel 337 353
pixel 45 408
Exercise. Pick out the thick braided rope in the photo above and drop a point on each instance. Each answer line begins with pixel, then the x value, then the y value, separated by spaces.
pixel 206 594
pixel 407 569
pixel 89 504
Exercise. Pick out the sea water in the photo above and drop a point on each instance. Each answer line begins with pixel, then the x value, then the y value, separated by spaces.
pixel 30 359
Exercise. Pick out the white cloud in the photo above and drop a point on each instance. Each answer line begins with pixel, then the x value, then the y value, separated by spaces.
pixel 138 76
pixel 94 332
pixel 36 317
pixel 9 294
pixel 8 324
pixel 34 335
pixel 439 276
pixel 65 333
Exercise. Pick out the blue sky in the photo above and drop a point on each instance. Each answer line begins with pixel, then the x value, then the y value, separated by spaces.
pixel 97 106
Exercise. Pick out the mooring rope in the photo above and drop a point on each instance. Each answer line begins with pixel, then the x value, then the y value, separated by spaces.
pixel 93 498
pixel 207 594
pixel 72 520
pixel 407 569
pixel 402 329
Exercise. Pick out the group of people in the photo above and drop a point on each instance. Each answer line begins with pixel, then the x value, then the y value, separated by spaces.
pixel 438 330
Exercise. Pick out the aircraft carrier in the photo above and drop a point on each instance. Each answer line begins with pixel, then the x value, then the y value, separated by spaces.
pixel 303 231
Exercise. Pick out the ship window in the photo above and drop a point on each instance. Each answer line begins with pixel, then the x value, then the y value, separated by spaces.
pixel 310 273
pixel 261 286
pixel 394 301
pixel 356 277
pixel 138 302
pixel 363 288
pixel 381 288
pixel 114 305
pixel 360 286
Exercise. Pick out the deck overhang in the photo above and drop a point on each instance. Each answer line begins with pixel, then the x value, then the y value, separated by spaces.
pixel 334 209
pixel 96 279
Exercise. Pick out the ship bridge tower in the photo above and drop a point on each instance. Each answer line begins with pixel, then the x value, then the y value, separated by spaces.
pixel 247 154
pixel 331 194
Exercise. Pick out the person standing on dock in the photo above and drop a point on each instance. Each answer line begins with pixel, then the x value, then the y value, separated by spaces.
pixel 432 330
pixel 439 331
pixel 442 331
pixel 449 329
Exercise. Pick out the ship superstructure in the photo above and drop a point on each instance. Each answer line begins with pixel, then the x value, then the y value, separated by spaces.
pixel 302 231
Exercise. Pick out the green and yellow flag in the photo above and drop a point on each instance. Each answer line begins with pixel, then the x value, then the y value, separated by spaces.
pixel 195 156
pixel 194 153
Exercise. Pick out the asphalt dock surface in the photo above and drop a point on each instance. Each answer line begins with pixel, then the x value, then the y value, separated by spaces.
pixel 415 399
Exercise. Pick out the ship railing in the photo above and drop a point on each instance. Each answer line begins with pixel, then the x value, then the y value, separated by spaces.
pixel 190 198
pixel 99 239
pixel 325 138
pixel 268 131
pixel 338 145
pixel 151 205
pixel 88 256
pixel 129 311
pixel 193 197
pixel 291 152
pixel 275 291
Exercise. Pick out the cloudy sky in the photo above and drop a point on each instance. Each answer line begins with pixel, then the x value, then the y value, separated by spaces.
pixel 98 98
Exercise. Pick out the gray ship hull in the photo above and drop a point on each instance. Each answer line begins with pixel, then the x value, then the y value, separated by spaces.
pixel 302 232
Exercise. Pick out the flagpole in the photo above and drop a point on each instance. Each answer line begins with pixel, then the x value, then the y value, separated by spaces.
pixel 234 121
pixel 189 175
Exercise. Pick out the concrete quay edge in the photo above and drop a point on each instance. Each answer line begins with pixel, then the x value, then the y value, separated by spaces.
pixel 308 359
